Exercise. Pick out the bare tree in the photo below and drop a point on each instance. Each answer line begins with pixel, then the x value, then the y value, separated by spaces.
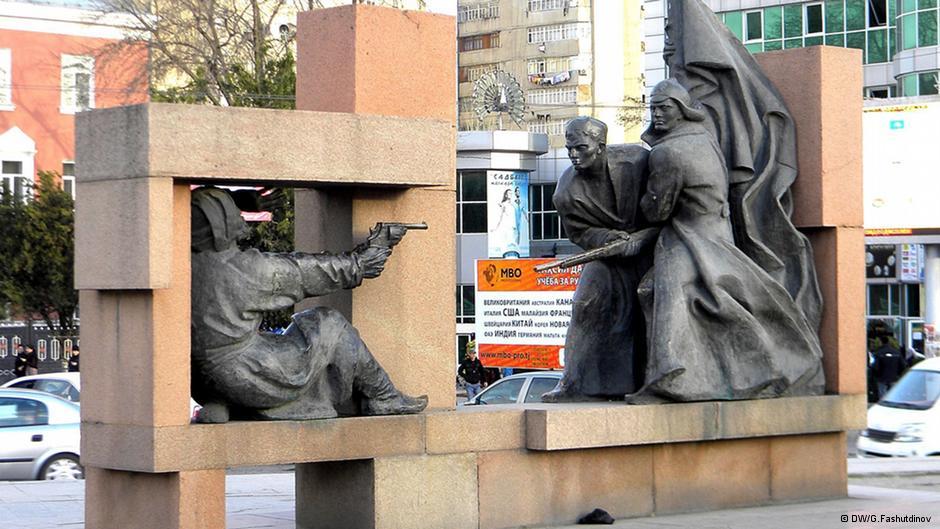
pixel 201 49
pixel 209 50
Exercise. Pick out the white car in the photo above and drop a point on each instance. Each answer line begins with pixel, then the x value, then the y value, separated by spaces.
pixel 39 436
pixel 906 421
pixel 67 385
pixel 518 389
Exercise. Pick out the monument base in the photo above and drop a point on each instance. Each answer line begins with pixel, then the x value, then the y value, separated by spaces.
pixel 494 467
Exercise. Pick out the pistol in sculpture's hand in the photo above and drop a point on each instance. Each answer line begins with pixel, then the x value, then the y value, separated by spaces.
pixel 372 260
pixel 388 234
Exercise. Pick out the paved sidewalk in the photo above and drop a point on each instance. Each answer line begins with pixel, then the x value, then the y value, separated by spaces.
pixel 893 466
pixel 266 501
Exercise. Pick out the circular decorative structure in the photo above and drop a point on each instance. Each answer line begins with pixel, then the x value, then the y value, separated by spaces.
pixel 498 92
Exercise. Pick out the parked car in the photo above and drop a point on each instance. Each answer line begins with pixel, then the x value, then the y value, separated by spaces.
pixel 518 389
pixel 39 436
pixel 906 421
pixel 67 386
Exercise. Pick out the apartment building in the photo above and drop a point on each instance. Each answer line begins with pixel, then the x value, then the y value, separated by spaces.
pixel 570 57
pixel 57 58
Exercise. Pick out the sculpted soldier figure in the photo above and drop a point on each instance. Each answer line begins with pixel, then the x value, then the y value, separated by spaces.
pixel 598 201
pixel 319 364
pixel 721 326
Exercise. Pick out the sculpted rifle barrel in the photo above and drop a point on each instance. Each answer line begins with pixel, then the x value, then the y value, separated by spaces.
pixel 609 249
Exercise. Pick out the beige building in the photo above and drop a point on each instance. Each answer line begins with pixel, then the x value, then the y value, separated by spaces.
pixel 570 57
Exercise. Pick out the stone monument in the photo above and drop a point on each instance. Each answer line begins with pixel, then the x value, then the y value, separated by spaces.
pixel 391 87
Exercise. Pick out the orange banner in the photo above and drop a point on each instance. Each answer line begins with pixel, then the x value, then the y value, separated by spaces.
pixel 507 275
pixel 521 356
pixel 522 316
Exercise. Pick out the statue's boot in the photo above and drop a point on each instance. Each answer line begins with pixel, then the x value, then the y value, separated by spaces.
pixel 380 396
pixel 399 404
pixel 214 412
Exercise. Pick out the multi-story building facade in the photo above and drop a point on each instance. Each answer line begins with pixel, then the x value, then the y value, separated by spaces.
pixel 570 57
pixel 57 58
pixel 898 38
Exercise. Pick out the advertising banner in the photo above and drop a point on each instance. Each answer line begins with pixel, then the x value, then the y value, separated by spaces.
pixel 507 210
pixel 912 263
pixel 900 161
pixel 522 315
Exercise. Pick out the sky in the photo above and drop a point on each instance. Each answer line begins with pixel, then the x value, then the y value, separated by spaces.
pixel 447 7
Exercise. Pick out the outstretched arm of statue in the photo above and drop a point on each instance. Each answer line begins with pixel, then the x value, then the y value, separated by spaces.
pixel 372 260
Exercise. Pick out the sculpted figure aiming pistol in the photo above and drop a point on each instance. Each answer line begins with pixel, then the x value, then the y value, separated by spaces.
pixel 320 364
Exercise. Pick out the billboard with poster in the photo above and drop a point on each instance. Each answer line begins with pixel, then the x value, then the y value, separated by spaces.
pixel 522 315
pixel 507 211
pixel 900 161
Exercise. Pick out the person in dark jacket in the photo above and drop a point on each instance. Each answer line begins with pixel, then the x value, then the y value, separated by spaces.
pixel 19 364
pixel 27 363
pixel 74 360
pixel 888 365
pixel 471 370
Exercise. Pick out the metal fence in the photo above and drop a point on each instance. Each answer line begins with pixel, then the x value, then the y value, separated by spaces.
pixel 52 350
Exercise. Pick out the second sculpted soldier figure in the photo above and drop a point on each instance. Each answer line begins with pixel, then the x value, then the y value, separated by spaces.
pixel 598 200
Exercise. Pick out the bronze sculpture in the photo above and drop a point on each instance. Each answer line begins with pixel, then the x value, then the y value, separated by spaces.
pixel 319 365
pixel 720 326
pixel 732 304
pixel 598 201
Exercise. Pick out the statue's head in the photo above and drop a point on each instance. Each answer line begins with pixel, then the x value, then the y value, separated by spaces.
pixel 670 103
pixel 217 222
pixel 586 141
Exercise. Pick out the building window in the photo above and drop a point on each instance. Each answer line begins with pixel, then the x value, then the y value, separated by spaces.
pixel 547 65
pixel 466 304
pixel 881 92
pixel 465 104
pixel 78 83
pixel 480 11
pixel 14 181
pixel 469 74
pixel 813 18
pixel 68 178
pixel 479 42
pixel 549 5
pixel 471 202
pixel 878 13
pixel 919 84
pixel 6 80
pixel 545 222
pixel 556 32
pixel 554 127
pixel 754 26
pixel 566 95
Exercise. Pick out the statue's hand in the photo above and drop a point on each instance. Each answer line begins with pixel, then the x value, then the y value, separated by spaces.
pixel 372 260
pixel 396 233
pixel 617 235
